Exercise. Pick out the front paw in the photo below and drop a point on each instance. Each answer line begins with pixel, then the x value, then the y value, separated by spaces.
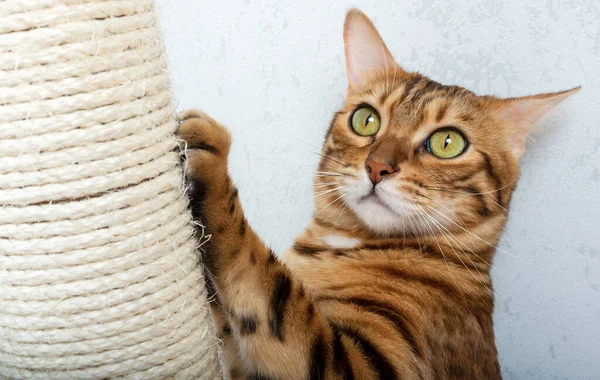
pixel 207 146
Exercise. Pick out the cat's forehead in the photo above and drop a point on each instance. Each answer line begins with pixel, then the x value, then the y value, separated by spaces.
pixel 410 102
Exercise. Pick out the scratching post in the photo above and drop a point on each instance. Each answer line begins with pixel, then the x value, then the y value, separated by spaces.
pixel 99 274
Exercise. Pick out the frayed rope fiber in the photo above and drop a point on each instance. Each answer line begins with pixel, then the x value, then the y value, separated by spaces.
pixel 99 271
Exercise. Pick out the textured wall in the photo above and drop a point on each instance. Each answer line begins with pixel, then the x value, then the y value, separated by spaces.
pixel 273 71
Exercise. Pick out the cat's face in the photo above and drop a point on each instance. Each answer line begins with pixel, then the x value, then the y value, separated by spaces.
pixel 406 155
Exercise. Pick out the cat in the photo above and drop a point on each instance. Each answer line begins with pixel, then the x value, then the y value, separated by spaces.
pixel 391 278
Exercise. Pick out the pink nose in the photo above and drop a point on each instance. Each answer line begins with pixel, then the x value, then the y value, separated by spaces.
pixel 377 169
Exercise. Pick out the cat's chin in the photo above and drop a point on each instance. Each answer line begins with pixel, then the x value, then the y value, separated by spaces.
pixel 380 217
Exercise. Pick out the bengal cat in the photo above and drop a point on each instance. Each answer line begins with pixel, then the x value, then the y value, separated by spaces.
pixel 391 278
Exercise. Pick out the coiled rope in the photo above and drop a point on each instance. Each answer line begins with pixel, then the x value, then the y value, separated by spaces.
pixel 99 272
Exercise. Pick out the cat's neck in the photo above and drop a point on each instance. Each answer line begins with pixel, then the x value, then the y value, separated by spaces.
pixel 471 247
pixel 324 251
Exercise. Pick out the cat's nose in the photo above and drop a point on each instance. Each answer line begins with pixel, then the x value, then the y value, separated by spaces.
pixel 377 169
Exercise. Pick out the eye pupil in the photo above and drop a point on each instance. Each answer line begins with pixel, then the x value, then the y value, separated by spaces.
pixel 447 141
pixel 369 119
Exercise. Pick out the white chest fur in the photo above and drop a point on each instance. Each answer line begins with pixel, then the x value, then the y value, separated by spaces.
pixel 340 241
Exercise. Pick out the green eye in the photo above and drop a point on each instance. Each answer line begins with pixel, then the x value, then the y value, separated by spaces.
pixel 365 121
pixel 446 143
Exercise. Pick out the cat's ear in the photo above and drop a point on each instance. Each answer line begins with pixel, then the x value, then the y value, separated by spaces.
pixel 522 114
pixel 365 50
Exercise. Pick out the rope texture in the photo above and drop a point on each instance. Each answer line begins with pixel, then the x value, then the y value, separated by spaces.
pixel 99 275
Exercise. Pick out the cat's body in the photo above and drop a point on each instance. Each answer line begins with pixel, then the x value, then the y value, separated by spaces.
pixel 390 280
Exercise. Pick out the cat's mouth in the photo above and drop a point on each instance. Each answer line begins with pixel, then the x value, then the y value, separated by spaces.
pixel 372 196
pixel 376 199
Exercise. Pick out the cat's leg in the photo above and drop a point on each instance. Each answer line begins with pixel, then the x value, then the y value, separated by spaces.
pixel 197 193
pixel 277 328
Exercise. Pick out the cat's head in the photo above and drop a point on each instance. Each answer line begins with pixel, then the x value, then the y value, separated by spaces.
pixel 404 147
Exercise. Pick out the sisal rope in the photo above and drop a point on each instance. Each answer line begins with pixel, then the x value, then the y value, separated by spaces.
pixel 99 272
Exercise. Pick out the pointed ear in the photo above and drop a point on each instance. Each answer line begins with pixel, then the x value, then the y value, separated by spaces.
pixel 365 50
pixel 522 114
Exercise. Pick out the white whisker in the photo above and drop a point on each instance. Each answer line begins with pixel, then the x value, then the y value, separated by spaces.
pixel 440 247
pixel 485 241
pixel 440 227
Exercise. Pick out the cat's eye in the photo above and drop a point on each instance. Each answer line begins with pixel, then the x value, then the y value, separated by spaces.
pixel 446 143
pixel 365 121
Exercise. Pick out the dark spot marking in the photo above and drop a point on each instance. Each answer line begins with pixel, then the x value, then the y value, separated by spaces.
pixel 233 195
pixel 405 91
pixel 316 368
pixel 412 82
pixel 341 361
pixel 340 252
pixel 306 250
pixel 484 210
pixel 378 362
pixel 323 223
pixel 278 303
pixel 387 312
pixel 456 372
pixel 468 175
pixel 432 282
pixel 429 86
pixel 441 112
pixel 243 227
pixel 389 246
pixel 252 258
pixel 466 117
pixel 271 259
pixel 197 195
pixel 492 173
pixel 205 147
pixel 226 329
pixel 231 208
pixel 452 91
pixel 310 312
pixel 248 325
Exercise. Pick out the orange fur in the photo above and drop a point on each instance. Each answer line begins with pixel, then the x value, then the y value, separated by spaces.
pixel 403 291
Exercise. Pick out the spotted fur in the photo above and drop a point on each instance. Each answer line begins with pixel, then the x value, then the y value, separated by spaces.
pixel 406 295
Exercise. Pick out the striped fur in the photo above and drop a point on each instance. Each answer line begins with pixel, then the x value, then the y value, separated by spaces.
pixel 410 298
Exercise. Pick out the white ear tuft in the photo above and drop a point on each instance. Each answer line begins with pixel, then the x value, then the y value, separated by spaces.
pixel 365 50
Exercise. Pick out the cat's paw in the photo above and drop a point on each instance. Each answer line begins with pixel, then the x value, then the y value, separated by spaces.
pixel 207 146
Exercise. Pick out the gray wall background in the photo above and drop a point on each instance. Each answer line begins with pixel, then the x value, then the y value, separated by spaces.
pixel 273 72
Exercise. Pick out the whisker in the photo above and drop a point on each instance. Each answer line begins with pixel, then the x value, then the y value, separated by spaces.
pixel 330 173
pixel 440 247
pixel 324 184
pixel 441 189
pixel 345 204
pixel 329 158
pixel 465 245
pixel 321 194
pixel 329 204
pixel 439 227
pixel 463 225
pixel 485 241
pixel 491 191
